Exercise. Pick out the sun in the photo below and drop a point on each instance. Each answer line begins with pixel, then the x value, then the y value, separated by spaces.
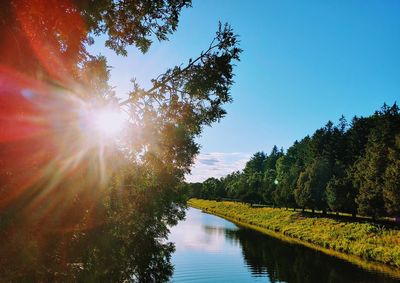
pixel 108 122
pixel 102 124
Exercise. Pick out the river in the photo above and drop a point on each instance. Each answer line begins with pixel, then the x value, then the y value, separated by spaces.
pixel 212 249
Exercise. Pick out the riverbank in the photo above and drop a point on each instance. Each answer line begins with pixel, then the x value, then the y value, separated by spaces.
pixel 367 245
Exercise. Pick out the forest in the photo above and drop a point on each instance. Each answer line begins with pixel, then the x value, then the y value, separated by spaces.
pixel 351 167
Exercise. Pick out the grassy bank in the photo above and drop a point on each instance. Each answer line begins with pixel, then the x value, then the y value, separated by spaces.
pixel 361 240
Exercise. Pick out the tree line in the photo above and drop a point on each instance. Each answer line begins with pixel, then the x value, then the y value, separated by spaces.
pixel 348 167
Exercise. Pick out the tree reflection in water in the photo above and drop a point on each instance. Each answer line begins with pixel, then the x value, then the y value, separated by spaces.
pixel 132 248
pixel 285 262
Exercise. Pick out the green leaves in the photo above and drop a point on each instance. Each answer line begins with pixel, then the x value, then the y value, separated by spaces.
pixel 128 22
pixel 391 187
pixel 183 100
pixel 114 224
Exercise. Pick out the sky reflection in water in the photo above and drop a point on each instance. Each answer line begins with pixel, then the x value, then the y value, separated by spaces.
pixel 211 249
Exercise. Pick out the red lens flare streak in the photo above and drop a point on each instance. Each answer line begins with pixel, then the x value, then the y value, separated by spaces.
pixel 51 171
pixel 43 151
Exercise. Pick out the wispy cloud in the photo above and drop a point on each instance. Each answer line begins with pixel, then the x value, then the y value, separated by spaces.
pixel 217 164
pixel 209 161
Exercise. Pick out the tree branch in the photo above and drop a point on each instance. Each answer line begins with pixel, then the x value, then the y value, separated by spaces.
pixel 165 81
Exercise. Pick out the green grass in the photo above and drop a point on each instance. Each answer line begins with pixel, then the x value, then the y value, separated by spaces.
pixel 363 240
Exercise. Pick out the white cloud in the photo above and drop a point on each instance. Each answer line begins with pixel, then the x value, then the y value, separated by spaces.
pixel 217 164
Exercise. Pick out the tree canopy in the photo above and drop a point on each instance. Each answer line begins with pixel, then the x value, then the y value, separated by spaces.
pixel 85 208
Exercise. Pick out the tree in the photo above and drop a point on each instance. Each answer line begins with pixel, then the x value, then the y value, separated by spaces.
pixel 213 189
pixel 269 184
pixel 255 164
pixel 289 167
pixel 368 176
pixel 370 169
pixel 232 185
pixel 194 190
pixel 254 188
pixel 357 137
pixel 303 193
pixel 310 191
pixel 117 200
pixel 269 179
pixel 341 194
pixel 61 30
pixel 391 187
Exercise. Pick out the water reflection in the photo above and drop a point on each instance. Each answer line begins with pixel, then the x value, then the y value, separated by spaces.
pixel 129 250
pixel 211 249
pixel 282 261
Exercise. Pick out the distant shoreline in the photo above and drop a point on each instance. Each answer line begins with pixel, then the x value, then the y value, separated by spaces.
pixel 363 244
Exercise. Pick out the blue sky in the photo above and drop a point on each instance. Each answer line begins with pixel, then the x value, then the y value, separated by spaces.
pixel 304 63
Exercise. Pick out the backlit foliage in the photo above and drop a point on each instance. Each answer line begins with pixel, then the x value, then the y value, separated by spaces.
pixel 79 205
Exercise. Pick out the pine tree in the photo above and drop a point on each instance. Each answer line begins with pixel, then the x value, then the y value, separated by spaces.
pixel 368 177
pixel 310 191
pixel 370 169
pixel 391 187
pixel 340 194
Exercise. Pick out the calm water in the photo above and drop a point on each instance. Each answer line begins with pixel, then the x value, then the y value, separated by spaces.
pixel 211 249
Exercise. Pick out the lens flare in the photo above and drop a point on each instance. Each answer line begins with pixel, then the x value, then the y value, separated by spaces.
pixel 108 122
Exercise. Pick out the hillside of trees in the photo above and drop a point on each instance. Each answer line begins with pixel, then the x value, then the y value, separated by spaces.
pixel 351 167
